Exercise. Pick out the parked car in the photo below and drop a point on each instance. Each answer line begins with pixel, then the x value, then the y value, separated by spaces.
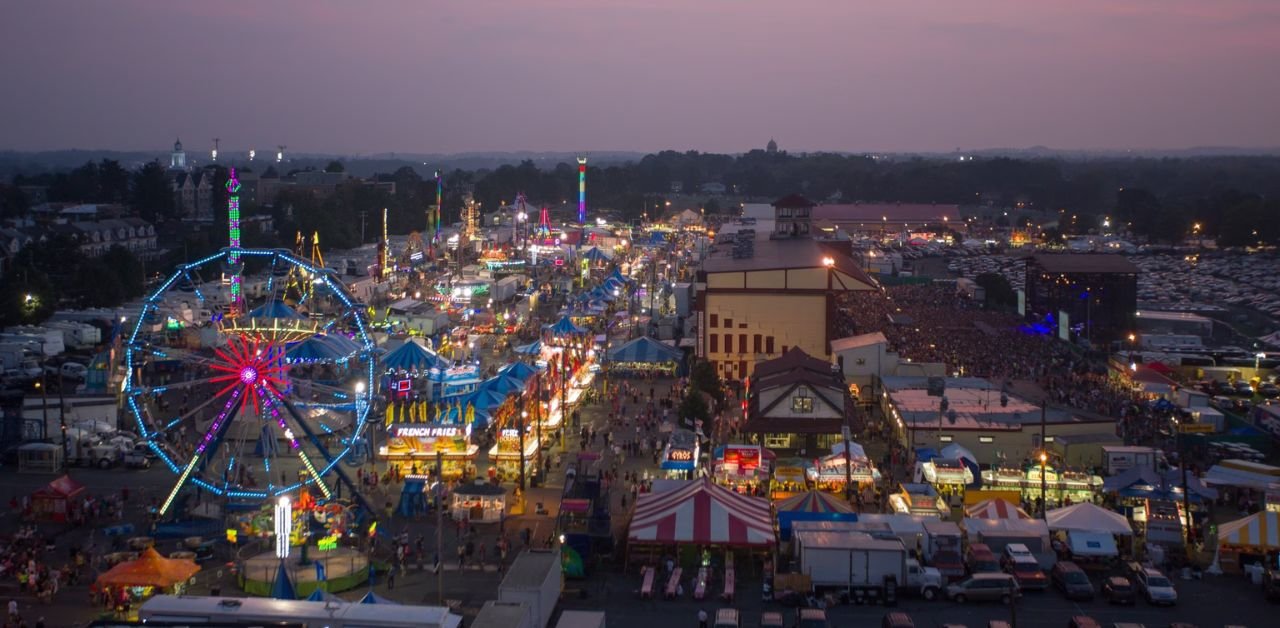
pixel 135 459
pixel 1024 567
pixel 1118 590
pixel 984 587
pixel 1157 588
pixel 979 559
pixel 1074 583
pixel 772 619
pixel 1269 390
pixel 1243 388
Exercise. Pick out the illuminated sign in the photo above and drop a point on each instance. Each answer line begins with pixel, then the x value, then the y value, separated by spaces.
pixel 404 385
pixel 421 431
pixel 328 543
pixel 680 455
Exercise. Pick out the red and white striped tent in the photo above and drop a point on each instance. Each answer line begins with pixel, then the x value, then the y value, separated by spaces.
pixel 995 509
pixel 704 513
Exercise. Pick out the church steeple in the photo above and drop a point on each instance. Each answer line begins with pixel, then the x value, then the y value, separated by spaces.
pixel 178 158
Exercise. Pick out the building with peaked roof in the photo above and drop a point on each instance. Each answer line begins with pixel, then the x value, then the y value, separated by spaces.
pixel 760 293
pixel 797 402
pixel 1089 296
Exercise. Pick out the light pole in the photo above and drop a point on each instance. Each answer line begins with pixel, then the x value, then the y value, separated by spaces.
pixel 439 527
pixel 524 415
pixel 360 388
pixel 1044 457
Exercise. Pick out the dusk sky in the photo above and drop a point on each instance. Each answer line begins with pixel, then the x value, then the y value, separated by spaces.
pixel 583 75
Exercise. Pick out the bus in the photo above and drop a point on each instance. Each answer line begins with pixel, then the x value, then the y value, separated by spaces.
pixel 191 610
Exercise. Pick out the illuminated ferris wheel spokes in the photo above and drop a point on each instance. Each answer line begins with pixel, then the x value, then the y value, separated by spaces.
pixel 249 366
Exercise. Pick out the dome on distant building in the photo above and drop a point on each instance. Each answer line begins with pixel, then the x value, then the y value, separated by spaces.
pixel 178 158
pixel 771 147
pixel 177 145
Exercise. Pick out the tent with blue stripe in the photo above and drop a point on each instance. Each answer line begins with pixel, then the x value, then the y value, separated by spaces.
pixel 274 309
pixel 518 370
pixel 565 327
pixel 646 350
pixel 412 356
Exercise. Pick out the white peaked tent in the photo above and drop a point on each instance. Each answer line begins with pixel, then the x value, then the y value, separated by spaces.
pixel 1086 517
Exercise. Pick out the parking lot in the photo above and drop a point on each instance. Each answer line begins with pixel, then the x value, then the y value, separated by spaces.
pixel 1213 601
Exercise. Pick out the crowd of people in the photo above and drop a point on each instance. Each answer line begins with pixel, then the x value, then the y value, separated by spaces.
pixel 936 323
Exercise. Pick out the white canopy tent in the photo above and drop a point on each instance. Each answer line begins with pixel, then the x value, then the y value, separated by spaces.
pixel 1092 544
pixel 1086 517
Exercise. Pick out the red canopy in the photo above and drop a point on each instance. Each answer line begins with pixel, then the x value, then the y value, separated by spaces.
pixel 995 509
pixel 56 499
pixel 704 513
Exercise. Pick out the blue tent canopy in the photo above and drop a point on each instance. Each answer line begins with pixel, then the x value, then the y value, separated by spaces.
pixel 518 370
pixel 320 595
pixel 594 254
pixel 317 349
pixel 617 274
pixel 533 348
pixel 373 598
pixel 412 356
pixel 501 385
pixel 645 349
pixel 565 327
pixel 282 588
pixel 274 309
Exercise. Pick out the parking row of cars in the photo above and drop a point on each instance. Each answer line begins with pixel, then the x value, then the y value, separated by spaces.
pixel 1018 570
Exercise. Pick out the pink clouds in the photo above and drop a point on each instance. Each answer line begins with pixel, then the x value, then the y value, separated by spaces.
pixel 635 74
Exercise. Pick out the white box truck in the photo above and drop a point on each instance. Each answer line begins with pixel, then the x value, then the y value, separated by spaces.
pixel 862 565
pixel 496 614
pixel 534 578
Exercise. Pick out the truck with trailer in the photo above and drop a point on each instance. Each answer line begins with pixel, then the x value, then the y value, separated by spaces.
pixel 862 567
pixel 534 578
pixel 581 619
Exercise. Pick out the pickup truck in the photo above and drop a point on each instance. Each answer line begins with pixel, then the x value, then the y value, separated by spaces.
pixel 136 459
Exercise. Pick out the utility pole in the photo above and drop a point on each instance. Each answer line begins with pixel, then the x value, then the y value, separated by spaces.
pixel 1044 457
pixel 439 527
pixel 363 213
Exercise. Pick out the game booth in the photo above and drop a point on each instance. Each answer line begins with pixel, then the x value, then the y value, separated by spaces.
pixel 1250 541
pixel 57 500
pixel 478 502
pixel 918 499
pixel 790 477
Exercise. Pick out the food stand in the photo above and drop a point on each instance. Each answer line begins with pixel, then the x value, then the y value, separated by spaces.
pixel 741 467
pixel 790 476
pixel 478 502
pixel 412 448
pixel 505 454
pixel 680 456
pixel 918 499
pixel 135 580
pixel 948 475
pixel 1064 487
pixel 830 473
pixel 57 500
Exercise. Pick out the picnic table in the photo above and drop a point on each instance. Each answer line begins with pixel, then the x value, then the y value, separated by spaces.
pixel 700 589
pixel 646 588
pixel 673 582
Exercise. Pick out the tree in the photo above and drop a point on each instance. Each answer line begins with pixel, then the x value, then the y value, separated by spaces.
pixel 13 203
pixel 335 166
pixel 113 182
pixel 127 269
pixel 702 377
pixel 151 193
pixel 694 408
pixel 999 294
pixel 98 286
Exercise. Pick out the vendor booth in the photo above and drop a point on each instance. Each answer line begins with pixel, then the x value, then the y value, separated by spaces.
pixel 1065 487
pixel 412 448
pixel 478 502
pixel 918 499
pixel 680 456
pixel 790 476
pixel 832 472
pixel 949 475
pixel 742 468
pixel 57 500
pixel 1248 540
pixel 506 454
pixel 811 506
pixel 149 574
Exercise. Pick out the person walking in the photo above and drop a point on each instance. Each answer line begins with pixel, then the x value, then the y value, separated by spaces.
pixel 702 618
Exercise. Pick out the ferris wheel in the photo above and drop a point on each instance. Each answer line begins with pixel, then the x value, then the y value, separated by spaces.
pixel 239 394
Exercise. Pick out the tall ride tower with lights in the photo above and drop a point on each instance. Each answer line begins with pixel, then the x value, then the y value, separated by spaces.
pixel 582 190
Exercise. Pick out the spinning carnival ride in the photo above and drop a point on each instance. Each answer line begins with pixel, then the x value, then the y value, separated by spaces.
pixel 260 403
